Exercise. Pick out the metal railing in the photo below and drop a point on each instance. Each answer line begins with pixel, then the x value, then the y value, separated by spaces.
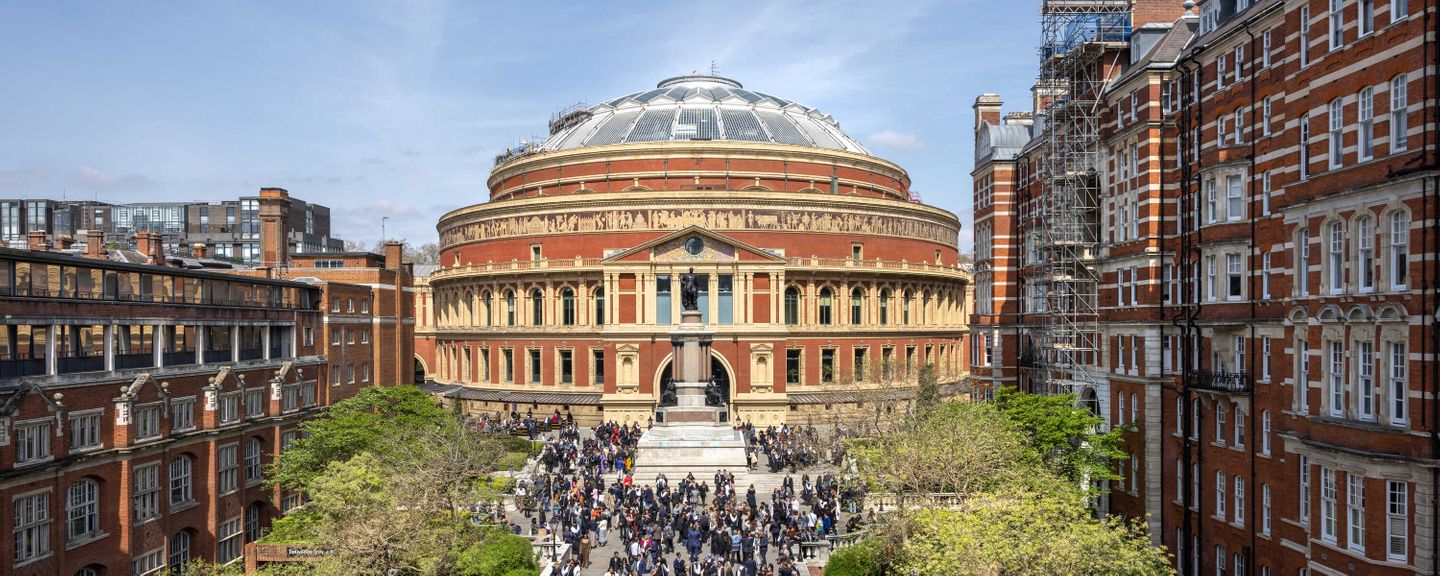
pixel 72 364
pixel 125 361
pixel 22 367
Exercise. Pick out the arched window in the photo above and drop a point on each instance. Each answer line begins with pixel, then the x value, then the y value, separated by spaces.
pixel 905 308
pixel 792 305
pixel 88 571
pixel 567 306
pixel 485 309
pixel 885 307
pixel 179 549
pixel 254 449
pixel 253 512
pixel 509 308
pixel 537 308
pixel 599 307
pixel 857 303
pixel 82 510
pixel 180 487
pixel 827 301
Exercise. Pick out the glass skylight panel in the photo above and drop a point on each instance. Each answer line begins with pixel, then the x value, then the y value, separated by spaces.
pixel 678 93
pixel 697 124
pixel 781 129
pixel 648 96
pixel 742 125
pixel 577 135
pixel 749 96
pixel 614 128
pixel 654 125
pixel 818 134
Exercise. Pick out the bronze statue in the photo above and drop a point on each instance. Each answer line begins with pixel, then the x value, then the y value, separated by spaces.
pixel 689 291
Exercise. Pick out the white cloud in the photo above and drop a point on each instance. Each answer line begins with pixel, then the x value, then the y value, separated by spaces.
pixel 895 140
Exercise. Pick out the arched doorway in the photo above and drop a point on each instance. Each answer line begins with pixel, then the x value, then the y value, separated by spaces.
pixel 718 371
pixel 419 370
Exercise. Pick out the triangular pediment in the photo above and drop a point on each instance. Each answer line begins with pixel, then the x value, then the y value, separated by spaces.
pixel 713 247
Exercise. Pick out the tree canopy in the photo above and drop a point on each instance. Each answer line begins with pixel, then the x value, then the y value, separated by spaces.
pixel 1013 474
pixel 388 475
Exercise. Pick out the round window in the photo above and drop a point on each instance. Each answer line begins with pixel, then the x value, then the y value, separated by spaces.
pixel 694 245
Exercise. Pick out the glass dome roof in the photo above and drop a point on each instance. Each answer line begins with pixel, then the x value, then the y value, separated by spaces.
pixel 698 107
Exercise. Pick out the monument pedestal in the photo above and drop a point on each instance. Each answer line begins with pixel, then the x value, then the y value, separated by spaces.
pixel 690 436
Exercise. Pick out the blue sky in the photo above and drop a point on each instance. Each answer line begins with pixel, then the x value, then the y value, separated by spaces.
pixel 380 108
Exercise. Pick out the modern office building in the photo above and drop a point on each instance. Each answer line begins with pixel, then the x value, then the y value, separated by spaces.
pixel 229 230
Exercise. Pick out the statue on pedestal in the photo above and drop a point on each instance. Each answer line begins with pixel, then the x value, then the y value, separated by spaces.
pixel 689 291
pixel 712 393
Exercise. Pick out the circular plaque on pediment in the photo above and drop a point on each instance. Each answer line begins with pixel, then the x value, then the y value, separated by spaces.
pixel 694 245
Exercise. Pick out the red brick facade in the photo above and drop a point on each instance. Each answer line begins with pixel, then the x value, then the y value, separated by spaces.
pixel 1266 296
pixel 138 407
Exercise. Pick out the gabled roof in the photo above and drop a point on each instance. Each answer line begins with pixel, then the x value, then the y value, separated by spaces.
pixel 694 231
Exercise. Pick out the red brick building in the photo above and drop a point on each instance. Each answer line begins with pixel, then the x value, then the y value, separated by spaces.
pixel 138 405
pixel 827 282
pixel 1265 266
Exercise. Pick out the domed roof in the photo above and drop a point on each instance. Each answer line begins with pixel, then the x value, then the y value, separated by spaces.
pixel 698 107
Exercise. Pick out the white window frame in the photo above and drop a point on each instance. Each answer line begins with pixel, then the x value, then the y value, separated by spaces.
pixel 145 497
pixel 1337 24
pixel 1329 506
pixel 1399 391
pixel 1399 112
pixel 1365 380
pixel 85 430
pixel 31 526
pixel 1336 137
pixel 1366 104
pixel 1397 521
pixel 1355 512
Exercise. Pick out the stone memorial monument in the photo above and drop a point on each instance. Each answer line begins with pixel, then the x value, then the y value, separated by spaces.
pixel 690 436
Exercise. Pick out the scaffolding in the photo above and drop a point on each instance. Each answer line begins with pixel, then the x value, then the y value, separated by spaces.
pixel 1079 37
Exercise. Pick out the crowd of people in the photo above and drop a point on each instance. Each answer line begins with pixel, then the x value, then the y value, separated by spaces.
pixel 583 491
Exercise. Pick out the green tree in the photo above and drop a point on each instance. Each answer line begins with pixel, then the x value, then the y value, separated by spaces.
pixel 352 426
pixel 1066 436
pixel 862 559
pixel 498 554
pixel 1037 533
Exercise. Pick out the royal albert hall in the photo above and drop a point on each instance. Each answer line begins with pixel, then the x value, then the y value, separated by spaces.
pixel 827 283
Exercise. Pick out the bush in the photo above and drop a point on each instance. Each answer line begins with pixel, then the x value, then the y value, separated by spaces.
pixel 499 554
pixel 862 559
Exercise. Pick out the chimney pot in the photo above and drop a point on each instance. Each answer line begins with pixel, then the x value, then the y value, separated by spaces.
pixel 394 255
pixel 95 245
pixel 38 240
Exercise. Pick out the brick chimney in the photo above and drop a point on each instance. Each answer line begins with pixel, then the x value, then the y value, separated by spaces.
pixel 38 241
pixel 95 245
pixel 394 255
pixel 149 244
pixel 274 241
pixel 199 250
pixel 64 242
pixel 987 109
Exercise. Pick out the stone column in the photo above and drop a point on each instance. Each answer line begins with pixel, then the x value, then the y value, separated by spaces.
pixel 108 339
